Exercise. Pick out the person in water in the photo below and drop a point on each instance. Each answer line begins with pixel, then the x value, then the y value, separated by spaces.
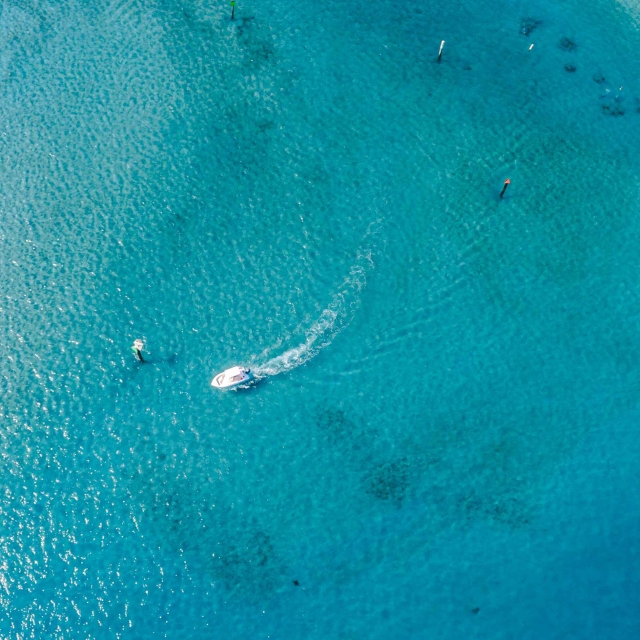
pixel 137 348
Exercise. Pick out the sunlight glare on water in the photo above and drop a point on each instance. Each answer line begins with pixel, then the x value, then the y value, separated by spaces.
pixel 442 440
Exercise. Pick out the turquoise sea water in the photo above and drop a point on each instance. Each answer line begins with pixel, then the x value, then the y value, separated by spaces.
pixel 445 441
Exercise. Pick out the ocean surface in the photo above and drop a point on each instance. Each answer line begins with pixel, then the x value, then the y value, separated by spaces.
pixel 444 440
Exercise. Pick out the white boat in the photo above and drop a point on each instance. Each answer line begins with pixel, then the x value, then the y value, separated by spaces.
pixel 231 378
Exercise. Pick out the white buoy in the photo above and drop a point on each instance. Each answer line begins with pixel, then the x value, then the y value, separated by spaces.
pixel 440 52
pixel 531 47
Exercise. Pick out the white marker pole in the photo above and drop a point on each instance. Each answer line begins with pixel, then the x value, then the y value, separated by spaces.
pixel 440 52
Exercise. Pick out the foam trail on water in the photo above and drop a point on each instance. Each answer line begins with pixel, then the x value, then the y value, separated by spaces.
pixel 331 322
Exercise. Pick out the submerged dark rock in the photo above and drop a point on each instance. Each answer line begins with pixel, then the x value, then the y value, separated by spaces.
pixel 244 24
pixel 614 110
pixel 334 423
pixel 508 511
pixel 598 78
pixel 475 610
pixel 567 45
pixel 527 25
pixel 389 481
pixel 571 68
pixel 612 103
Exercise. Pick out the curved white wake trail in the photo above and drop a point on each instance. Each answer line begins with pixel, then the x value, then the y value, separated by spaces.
pixel 336 317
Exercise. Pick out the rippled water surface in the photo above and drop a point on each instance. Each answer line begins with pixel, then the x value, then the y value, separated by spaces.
pixel 443 441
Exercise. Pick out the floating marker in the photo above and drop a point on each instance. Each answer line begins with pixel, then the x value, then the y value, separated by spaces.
pixel 507 182
pixel 440 52
pixel 233 9
pixel 531 47
pixel 137 348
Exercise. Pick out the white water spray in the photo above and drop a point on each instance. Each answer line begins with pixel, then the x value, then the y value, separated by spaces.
pixel 336 317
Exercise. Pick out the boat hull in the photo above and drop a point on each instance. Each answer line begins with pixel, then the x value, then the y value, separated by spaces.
pixel 231 378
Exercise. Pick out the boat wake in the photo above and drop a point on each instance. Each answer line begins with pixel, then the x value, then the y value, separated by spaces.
pixel 336 317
